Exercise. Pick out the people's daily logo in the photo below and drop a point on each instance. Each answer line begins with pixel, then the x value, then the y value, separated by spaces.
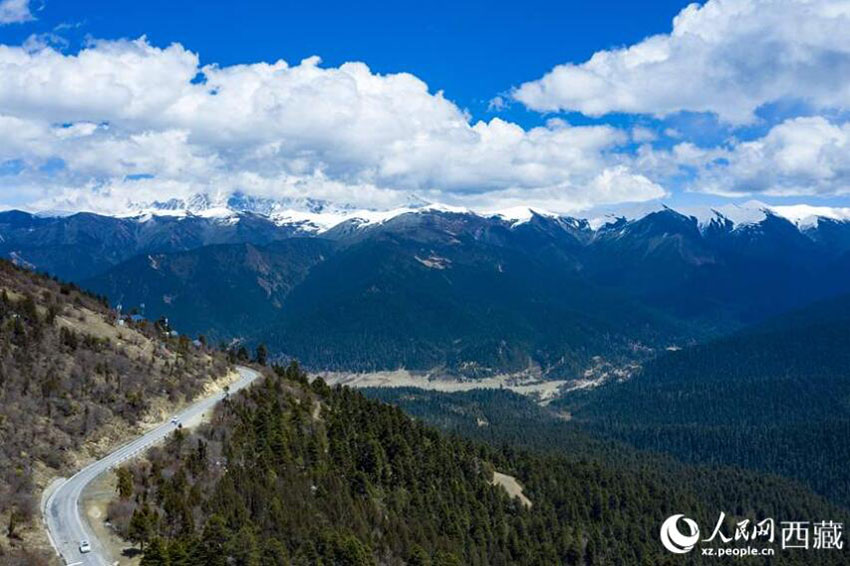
pixel 674 539
pixel 680 535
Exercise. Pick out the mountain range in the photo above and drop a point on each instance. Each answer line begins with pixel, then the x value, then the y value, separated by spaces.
pixel 773 397
pixel 434 287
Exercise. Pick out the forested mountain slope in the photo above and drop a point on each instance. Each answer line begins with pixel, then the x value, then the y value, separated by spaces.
pixel 221 291
pixel 291 473
pixel 457 303
pixel 72 382
pixel 81 245
pixel 775 397
pixel 421 292
pixel 474 295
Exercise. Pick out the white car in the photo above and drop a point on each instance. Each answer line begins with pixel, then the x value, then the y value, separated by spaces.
pixel 84 546
pixel 175 421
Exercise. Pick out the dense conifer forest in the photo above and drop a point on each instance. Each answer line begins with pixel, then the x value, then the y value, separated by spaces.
pixel 294 473
pixel 774 398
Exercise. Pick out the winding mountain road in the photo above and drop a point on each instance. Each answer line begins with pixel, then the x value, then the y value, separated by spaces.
pixel 62 513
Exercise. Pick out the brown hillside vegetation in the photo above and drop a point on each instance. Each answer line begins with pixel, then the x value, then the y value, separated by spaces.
pixel 74 380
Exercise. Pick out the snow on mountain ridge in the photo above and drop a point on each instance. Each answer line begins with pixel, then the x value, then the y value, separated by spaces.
pixel 309 214
pixel 315 216
pixel 521 214
pixel 740 215
pixel 807 216
pixel 743 214
pixel 803 216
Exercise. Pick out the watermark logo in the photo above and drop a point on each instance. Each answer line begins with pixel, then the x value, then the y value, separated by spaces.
pixel 680 535
pixel 674 539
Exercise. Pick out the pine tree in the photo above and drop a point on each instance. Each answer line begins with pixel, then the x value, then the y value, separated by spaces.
pixel 141 526
pixel 125 483
pixel 262 354
pixel 156 554
pixel 418 557
pixel 212 548
pixel 243 548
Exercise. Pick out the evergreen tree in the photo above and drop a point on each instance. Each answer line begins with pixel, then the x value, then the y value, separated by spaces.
pixel 125 483
pixel 156 554
pixel 262 355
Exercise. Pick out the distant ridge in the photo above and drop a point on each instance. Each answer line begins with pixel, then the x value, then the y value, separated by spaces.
pixel 431 286
pixel 313 215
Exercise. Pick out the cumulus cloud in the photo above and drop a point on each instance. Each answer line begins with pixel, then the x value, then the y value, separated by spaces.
pixel 127 121
pixel 641 134
pixel 39 41
pixel 728 57
pixel 15 12
pixel 801 156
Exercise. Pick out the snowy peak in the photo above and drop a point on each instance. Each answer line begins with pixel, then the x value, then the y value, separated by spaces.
pixel 206 205
pixel 730 216
pixel 752 213
pixel 738 214
pixel 307 214
pixel 520 214
pixel 316 216
pixel 807 216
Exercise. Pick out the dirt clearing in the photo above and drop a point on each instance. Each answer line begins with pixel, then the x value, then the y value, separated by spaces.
pixel 512 486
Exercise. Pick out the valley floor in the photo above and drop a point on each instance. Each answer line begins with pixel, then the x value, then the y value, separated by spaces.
pixel 541 390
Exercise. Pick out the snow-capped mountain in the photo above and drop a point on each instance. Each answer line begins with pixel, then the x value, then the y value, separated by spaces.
pixel 316 216
pixel 738 214
pixel 615 279
pixel 225 206
pixel 77 246
pixel 304 213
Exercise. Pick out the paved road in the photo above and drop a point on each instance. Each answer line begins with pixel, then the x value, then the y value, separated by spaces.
pixel 62 509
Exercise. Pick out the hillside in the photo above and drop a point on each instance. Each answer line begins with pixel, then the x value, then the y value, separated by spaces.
pixel 775 397
pixel 291 473
pixel 221 291
pixel 73 381
pixel 438 289
pixel 421 292
pixel 462 304
pixel 82 245
pixel 475 295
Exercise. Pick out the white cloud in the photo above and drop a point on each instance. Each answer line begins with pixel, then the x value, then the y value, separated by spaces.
pixel 729 57
pixel 804 156
pixel 801 156
pixel 497 104
pixel 641 134
pixel 15 12
pixel 121 110
pixel 39 41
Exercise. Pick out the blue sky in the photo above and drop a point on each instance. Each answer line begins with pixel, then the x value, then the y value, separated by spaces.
pixel 563 105
pixel 471 50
